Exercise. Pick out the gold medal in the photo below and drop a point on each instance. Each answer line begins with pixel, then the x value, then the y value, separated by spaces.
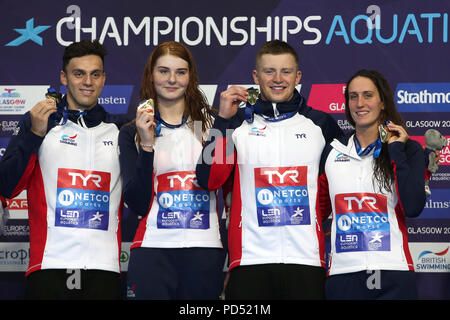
pixel 147 105
pixel 252 95
pixel 385 134
pixel 55 96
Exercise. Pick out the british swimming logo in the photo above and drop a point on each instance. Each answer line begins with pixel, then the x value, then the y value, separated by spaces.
pixel 434 260
pixel 69 139
pixel 341 157
pixel 259 132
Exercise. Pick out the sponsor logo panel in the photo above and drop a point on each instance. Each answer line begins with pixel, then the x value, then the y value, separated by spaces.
pixel 423 97
pixel 430 256
pixel 82 199
pixel 182 203
pixel 282 196
pixel 437 206
pixel 327 97
pixel 20 99
pixel 362 222
pixel 428 230
pixel 114 98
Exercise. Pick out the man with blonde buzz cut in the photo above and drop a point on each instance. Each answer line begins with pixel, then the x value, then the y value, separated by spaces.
pixel 275 241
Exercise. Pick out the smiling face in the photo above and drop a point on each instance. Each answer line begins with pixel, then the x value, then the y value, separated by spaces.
pixel 364 104
pixel 84 78
pixel 170 77
pixel 277 76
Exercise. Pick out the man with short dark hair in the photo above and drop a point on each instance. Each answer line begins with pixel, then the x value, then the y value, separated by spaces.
pixel 275 239
pixel 66 157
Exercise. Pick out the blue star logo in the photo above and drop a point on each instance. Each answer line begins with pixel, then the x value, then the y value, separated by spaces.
pixel 29 33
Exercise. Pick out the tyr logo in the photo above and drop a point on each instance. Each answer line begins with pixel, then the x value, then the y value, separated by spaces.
pixel 95 178
pixel 360 203
pixel 188 177
pixel 83 179
pixel 107 143
pixel 371 201
pixel 280 176
pixel 292 174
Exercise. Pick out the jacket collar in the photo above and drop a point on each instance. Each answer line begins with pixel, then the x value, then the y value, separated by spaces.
pixel 267 107
pixel 90 118
pixel 346 145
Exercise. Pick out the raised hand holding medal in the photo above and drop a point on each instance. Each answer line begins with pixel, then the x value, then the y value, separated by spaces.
pixel 145 124
pixel 54 95
pixel 41 112
pixel 384 132
pixel 390 132
pixel 230 100
pixel 148 106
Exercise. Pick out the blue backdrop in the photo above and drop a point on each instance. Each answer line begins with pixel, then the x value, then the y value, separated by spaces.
pixel 406 40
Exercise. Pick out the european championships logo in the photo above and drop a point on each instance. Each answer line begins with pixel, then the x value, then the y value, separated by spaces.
pixel 30 32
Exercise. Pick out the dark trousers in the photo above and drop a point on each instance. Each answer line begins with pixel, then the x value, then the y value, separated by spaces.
pixel 276 282
pixel 372 285
pixel 175 273
pixel 72 284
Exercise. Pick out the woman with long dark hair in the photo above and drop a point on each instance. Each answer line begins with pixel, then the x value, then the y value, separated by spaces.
pixel 177 252
pixel 370 180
